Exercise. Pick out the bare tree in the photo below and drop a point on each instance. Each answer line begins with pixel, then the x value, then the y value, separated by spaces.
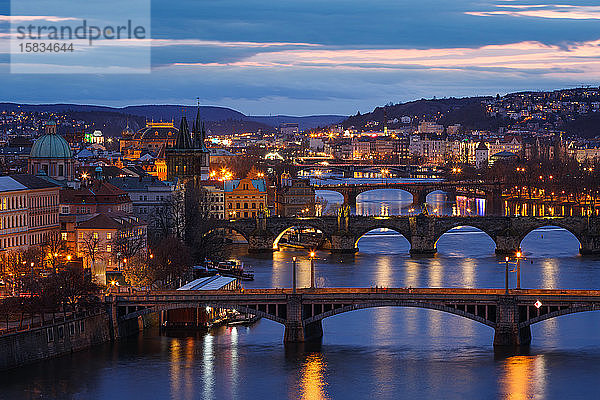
pixel 90 247
pixel 54 247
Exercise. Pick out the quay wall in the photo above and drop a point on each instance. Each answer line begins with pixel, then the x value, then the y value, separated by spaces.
pixel 53 340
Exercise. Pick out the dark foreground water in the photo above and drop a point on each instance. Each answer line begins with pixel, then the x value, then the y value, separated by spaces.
pixel 385 353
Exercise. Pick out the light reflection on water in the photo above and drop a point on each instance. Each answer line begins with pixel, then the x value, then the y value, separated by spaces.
pixel 382 353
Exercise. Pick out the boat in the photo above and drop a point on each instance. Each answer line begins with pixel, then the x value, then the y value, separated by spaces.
pixel 231 268
pixel 243 319
pixel 201 271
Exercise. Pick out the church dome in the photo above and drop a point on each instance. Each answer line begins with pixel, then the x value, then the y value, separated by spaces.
pixel 51 146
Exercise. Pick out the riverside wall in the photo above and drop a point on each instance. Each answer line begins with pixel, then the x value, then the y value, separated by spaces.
pixel 53 340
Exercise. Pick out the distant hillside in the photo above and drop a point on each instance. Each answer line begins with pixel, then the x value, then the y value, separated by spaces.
pixel 467 111
pixel 309 122
pixel 219 119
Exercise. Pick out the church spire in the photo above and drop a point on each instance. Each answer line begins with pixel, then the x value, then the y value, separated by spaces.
pixel 184 140
pixel 198 129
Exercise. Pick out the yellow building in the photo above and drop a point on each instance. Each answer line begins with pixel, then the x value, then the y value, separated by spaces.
pixel 245 198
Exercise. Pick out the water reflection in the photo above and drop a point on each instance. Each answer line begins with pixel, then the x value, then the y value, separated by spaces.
pixel 312 380
pixel 523 377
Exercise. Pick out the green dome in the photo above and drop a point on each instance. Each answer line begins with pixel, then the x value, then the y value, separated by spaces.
pixel 51 146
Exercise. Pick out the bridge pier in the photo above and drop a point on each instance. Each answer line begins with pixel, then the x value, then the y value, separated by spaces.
pixel 507 331
pixel 296 330
pixel 260 243
pixel 507 244
pixel 422 245
pixel 590 245
pixel 343 243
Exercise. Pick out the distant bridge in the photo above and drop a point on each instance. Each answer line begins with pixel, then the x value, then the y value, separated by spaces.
pixel 349 168
pixel 341 234
pixel 510 315
pixel 490 191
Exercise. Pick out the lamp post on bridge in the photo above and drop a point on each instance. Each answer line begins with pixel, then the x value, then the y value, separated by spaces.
pixel 294 275
pixel 312 269
pixel 506 276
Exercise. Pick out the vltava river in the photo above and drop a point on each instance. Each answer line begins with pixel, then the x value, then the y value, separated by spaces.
pixel 385 353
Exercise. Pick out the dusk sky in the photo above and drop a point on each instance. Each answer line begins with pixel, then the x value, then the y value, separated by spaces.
pixel 338 56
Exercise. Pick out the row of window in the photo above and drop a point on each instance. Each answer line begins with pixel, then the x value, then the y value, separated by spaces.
pixel 13 241
pixel 44 219
pixel 13 221
pixel 43 201
pixel 246 205
pixel 13 202
pixel 95 235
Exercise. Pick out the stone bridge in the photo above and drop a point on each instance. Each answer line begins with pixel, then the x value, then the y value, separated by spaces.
pixel 301 312
pixel 348 169
pixel 341 234
pixel 419 190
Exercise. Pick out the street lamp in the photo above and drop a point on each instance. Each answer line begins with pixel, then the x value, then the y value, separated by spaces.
pixel 506 277
pixel 312 269
pixel 519 269
pixel 294 275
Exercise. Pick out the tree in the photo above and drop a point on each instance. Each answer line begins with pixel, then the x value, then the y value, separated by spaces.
pixel 53 249
pixel 90 247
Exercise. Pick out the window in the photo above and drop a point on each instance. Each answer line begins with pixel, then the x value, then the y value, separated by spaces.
pixel 50 334
pixel 80 235
pixel 63 235
pixel 95 235
pixel 108 248
pixel 61 332
pixel 108 235
pixel 71 329
pixel 81 326
pixel 65 210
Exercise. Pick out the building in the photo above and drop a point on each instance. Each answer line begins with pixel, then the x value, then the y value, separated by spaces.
pixel 289 130
pixel 295 197
pixel 361 149
pixel 52 154
pixel 212 201
pixel 28 210
pixel 94 138
pixel 101 239
pixel 481 155
pixel 189 159
pixel 147 193
pixel 98 196
pixel 431 127
pixel 153 138
pixel 245 198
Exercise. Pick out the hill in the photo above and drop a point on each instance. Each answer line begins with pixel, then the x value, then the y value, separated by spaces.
pixel 219 120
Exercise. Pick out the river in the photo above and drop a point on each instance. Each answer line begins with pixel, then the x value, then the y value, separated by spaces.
pixel 384 353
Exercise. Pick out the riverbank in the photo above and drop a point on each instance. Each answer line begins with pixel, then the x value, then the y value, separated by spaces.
pixel 54 339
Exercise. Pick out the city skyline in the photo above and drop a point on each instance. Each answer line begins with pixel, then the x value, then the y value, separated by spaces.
pixel 338 58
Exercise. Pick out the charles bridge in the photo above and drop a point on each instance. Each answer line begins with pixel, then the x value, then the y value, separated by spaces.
pixel 509 312
pixel 341 233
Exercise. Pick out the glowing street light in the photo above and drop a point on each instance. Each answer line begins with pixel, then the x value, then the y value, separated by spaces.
pixel 312 269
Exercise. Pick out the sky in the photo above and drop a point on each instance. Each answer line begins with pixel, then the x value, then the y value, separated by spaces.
pixel 332 57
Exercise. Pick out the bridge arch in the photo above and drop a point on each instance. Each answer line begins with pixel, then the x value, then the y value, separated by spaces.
pixel 454 229
pixel 178 306
pixel 225 227
pixel 413 304
pixel 404 236
pixel 551 224
pixel 324 237
pixel 558 313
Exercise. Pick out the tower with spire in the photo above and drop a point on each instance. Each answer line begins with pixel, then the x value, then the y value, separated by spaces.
pixel 189 159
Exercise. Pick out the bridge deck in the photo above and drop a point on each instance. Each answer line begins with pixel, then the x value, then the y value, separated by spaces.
pixel 354 293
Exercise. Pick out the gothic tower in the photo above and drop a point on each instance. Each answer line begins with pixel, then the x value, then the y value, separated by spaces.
pixel 188 160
